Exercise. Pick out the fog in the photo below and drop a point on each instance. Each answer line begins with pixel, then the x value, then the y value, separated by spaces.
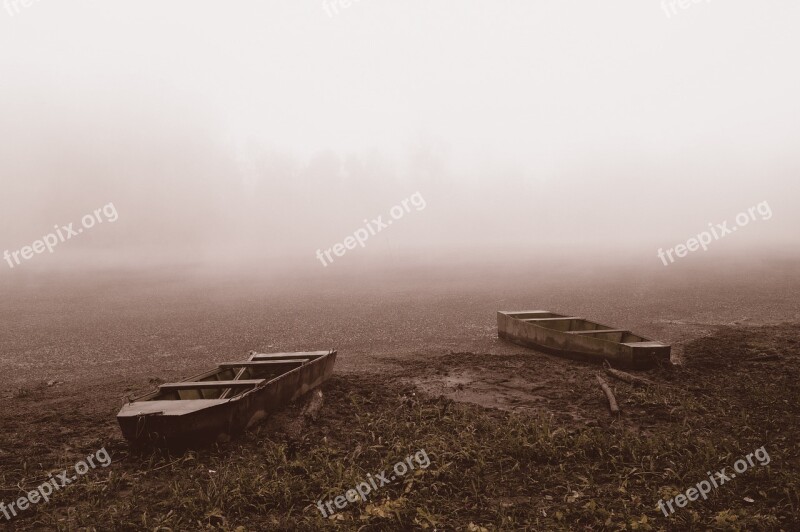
pixel 266 131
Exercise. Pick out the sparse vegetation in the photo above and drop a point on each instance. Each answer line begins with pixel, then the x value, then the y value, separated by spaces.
pixel 490 469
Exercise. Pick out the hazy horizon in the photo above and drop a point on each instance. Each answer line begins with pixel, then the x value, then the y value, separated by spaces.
pixel 268 131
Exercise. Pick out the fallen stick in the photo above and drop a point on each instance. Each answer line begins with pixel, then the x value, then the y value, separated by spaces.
pixel 764 358
pixel 612 401
pixel 627 377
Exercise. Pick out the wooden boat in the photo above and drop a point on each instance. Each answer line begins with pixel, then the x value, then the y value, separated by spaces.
pixel 220 403
pixel 573 336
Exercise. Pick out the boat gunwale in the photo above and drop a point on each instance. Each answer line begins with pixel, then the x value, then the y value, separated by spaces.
pixel 511 315
pixel 154 393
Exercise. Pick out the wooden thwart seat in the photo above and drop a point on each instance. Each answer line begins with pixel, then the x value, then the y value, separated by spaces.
pixel 594 331
pixel 646 343
pixel 206 385
pixel 553 319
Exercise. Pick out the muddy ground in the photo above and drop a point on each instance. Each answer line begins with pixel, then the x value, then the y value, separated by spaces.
pixel 517 439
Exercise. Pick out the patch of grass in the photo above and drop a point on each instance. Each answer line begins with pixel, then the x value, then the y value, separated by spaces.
pixel 489 469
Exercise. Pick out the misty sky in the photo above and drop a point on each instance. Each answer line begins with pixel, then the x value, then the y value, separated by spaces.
pixel 273 129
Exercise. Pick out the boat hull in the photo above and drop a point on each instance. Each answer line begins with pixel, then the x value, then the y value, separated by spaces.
pixel 591 346
pixel 204 421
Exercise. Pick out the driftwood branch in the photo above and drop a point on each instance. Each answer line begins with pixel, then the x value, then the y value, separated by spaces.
pixel 627 377
pixel 612 401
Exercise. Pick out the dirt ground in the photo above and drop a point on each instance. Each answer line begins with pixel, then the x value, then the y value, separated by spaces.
pixel 73 348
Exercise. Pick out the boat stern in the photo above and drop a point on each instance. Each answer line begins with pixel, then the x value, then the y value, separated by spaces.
pixel 647 354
